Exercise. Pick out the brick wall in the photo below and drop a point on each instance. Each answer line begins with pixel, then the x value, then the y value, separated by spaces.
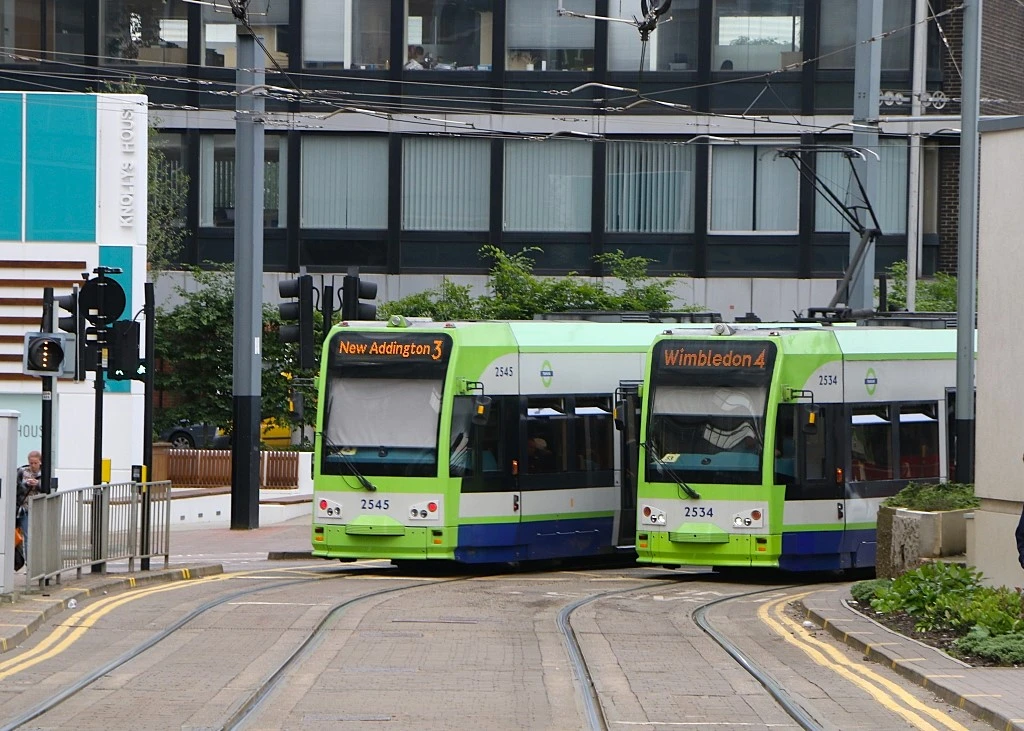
pixel 1002 91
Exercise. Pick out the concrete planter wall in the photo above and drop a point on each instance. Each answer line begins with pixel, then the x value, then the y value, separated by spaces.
pixel 906 536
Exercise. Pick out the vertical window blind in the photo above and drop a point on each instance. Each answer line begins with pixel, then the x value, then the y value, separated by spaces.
pixel 753 190
pixel 547 185
pixel 446 184
pixel 344 182
pixel 649 188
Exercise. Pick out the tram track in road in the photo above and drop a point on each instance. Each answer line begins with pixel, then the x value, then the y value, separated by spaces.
pixel 885 693
pixel 248 706
pixel 590 697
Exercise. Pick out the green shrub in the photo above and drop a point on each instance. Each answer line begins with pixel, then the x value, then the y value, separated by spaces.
pixel 926 593
pixel 996 610
pixel 930 498
pixel 864 591
pixel 1007 649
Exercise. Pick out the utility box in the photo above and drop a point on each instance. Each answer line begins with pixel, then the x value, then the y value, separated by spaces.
pixel 8 495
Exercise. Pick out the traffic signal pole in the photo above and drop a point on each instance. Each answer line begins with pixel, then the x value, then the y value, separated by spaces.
pixel 47 411
pixel 246 390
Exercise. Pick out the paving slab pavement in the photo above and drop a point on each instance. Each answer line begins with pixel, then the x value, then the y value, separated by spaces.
pixel 994 695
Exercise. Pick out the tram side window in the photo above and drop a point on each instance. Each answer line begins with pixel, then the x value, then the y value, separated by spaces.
pixel 785 444
pixel 871 444
pixel 814 445
pixel 472 447
pixel 546 436
pixel 919 440
pixel 594 433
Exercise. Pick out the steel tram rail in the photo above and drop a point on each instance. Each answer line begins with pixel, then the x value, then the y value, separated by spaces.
pixel 256 698
pixel 596 720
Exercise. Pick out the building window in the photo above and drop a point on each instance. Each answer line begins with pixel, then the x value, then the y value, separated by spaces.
pixel 834 170
pixel 672 47
pixel 539 40
pixel 752 189
pixel 547 185
pixel 446 184
pixel 344 182
pixel 168 150
pixel 220 32
pixel 22 30
pixel 217 181
pixel 838 36
pixel 649 188
pixel 756 35
pixel 346 34
pixel 448 34
pixel 144 31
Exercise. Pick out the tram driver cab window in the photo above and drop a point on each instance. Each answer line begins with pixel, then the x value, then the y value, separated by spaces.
pixel 473 449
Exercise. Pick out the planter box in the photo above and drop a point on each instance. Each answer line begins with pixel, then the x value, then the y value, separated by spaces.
pixel 906 536
pixel 941 534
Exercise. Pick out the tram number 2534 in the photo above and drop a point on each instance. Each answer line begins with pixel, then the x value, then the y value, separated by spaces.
pixel 367 504
pixel 696 511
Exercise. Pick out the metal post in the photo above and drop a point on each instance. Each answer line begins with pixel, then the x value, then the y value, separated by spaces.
pixel 147 424
pixel 96 512
pixel 866 88
pixel 46 445
pixel 967 255
pixel 919 70
pixel 245 457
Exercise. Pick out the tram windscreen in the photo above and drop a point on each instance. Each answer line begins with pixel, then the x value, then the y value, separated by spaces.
pixel 382 404
pixel 707 411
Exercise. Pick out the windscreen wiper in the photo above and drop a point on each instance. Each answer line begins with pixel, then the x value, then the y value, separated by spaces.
pixel 335 449
pixel 649 446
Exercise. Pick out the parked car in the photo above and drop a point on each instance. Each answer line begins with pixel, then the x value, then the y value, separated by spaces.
pixel 193 436
pixel 272 435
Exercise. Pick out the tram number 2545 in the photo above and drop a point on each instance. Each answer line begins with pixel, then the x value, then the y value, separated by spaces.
pixel 367 504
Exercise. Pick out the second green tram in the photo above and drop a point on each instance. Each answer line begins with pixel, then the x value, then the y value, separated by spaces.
pixel 774 447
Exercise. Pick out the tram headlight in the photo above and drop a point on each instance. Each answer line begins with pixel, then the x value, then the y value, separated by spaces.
pixel 426 510
pixel 328 509
pixel 653 516
pixel 748 519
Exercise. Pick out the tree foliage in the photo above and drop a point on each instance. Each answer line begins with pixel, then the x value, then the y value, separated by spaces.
pixel 933 295
pixel 195 344
pixel 515 293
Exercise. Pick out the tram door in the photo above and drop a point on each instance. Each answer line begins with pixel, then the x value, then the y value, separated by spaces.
pixel 627 421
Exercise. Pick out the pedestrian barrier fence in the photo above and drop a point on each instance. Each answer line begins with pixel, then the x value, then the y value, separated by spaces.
pixel 212 468
pixel 89 526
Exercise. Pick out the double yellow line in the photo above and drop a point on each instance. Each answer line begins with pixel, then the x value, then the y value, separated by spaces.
pixel 883 690
pixel 71 630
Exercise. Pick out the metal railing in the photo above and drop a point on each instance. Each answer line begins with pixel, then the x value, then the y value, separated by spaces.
pixel 89 526
pixel 212 468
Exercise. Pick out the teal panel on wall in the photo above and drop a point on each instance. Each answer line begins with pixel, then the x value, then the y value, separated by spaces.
pixel 61 168
pixel 120 257
pixel 10 167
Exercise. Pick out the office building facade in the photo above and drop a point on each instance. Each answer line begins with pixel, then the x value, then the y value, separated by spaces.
pixel 402 135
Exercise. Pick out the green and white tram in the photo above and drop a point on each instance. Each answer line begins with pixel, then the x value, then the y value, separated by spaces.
pixel 774 447
pixel 476 441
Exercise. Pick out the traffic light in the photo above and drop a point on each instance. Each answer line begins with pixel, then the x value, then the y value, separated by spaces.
pixel 74 324
pixel 299 312
pixel 44 354
pixel 123 353
pixel 355 290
